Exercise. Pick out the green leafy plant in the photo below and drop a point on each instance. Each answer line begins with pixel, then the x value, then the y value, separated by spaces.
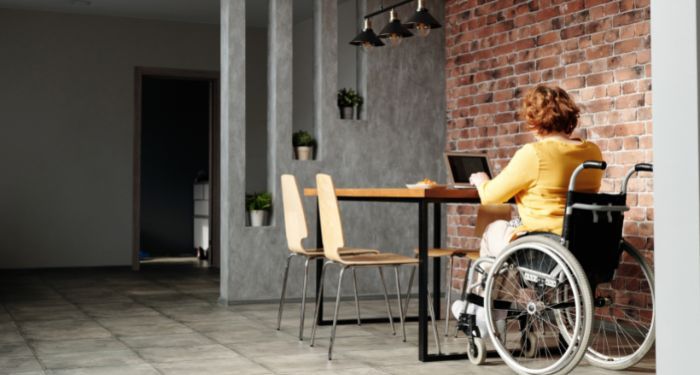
pixel 258 201
pixel 348 98
pixel 302 138
pixel 359 100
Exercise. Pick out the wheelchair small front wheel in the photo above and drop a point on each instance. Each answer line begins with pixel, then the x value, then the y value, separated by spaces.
pixel 476 351
pixel 525 284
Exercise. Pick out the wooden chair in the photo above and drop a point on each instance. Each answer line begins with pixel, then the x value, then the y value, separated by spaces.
pixel 296 231
pixel 334 248
pixel 485 216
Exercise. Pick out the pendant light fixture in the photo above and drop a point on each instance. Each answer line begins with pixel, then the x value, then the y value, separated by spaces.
pixel 395 31
pixel 422 21
pixel 367 39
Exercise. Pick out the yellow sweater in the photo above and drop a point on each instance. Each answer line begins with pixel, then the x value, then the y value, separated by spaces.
pixel 538 177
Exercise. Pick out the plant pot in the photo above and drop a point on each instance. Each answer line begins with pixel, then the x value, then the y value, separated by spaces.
pixel 305 152
pixel 347 113
pixel 257 218
pixel 358 112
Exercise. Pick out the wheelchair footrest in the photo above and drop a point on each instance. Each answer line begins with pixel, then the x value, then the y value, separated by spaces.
pixel 467 324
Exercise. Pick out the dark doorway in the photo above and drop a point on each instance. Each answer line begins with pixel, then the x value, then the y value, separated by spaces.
pixel 175 164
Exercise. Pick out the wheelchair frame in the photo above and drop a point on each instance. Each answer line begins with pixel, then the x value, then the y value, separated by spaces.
pixel 584 281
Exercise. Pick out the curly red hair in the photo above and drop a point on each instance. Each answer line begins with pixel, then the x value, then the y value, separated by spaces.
pixel 549 110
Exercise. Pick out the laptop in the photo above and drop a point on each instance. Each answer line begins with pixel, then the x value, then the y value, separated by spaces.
pixel 461 165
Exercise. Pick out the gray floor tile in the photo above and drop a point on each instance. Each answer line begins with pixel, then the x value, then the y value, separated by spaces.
pixel 90 359
pixel 16 349
pixel 143 369
pixel 63 330
pixel 190 353
pixel 234 366
pixel 309 362
pixel 12 365
pixel 180 340
pixel 76 346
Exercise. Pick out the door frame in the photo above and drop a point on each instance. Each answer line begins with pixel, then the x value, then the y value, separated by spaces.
pixel 214 151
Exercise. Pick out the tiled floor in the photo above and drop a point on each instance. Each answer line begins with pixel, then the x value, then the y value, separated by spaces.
pixel 167 321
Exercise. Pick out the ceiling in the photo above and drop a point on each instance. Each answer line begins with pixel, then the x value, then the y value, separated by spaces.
pixel 198 11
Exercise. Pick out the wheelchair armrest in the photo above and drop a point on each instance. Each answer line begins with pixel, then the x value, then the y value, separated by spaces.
pixel 644 167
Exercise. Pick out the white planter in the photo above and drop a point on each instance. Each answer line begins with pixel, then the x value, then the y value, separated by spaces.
pixel 305 152
pixel 347 113
pixel 257 218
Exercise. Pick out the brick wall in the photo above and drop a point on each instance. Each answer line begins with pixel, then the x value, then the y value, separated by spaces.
pixel 599 51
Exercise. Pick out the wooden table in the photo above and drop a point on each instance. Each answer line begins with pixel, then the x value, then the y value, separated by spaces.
pixel 423 198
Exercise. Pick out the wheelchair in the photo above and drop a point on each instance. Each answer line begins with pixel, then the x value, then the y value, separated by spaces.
pixel 548 301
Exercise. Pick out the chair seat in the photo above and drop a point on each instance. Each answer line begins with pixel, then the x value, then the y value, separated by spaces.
pixel 317 253
pixel 372 259
pixel 437 253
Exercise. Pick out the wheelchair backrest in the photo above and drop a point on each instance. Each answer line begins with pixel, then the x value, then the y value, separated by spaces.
pixel 593 232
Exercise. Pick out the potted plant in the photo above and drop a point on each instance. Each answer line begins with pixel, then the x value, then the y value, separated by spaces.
pixel 304 144
pixel 359 100
pixel 346 103
pixel 258 206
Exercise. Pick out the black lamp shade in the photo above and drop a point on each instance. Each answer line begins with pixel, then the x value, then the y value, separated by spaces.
pixel 367 36
pixel 395 27
pixel 422 16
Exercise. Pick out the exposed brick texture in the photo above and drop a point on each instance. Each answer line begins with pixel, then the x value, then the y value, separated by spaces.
pixel 599 51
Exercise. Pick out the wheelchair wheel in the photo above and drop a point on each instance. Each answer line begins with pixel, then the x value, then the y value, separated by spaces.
pixel 526 281
pixel 623 326
pixel 477 353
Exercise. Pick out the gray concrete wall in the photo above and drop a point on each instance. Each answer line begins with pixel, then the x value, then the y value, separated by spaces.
pixel 256 109
pixel 303 75
pixel 67 120
pixel 400 141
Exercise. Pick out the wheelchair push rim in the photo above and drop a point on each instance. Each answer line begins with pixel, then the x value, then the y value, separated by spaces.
pixel 526 276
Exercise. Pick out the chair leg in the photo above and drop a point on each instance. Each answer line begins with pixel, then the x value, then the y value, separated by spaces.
pixel 408 292
pixel 431 311
pixel 284 291
pixel 398 301
pixel 319 301
pixel 335 313
pixel 448 295
pixel 357 300
pixel 386 300
pixel 302 313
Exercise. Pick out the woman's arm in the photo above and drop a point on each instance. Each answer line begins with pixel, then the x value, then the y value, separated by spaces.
pixel 520 173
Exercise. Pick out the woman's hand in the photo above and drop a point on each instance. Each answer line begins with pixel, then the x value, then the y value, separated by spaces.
pixel 478 178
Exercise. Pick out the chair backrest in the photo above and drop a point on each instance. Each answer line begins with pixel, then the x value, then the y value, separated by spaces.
pixel 488 213
pixel 593 233
pixel 294 218
pixel 331 226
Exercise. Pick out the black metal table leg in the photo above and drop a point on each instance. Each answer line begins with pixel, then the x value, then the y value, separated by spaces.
pixel 423 281
pixel 437 266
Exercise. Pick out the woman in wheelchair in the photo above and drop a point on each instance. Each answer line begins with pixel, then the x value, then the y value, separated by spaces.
pixel 550 284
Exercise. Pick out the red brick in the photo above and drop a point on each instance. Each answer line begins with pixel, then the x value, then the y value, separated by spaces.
pixel 629 45
pixel 599 79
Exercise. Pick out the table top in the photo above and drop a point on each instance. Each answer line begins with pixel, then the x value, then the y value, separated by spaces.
pixel 402 193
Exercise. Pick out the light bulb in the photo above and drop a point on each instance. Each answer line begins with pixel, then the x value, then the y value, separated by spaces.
pixel 395 39
pixel 423 30
pixel 367 46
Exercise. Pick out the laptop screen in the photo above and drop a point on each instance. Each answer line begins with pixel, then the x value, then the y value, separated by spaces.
pixel 462 166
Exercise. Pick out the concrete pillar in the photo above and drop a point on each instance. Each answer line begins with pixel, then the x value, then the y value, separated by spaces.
pixel 674 34
pixel 281 92
pixel 232 156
